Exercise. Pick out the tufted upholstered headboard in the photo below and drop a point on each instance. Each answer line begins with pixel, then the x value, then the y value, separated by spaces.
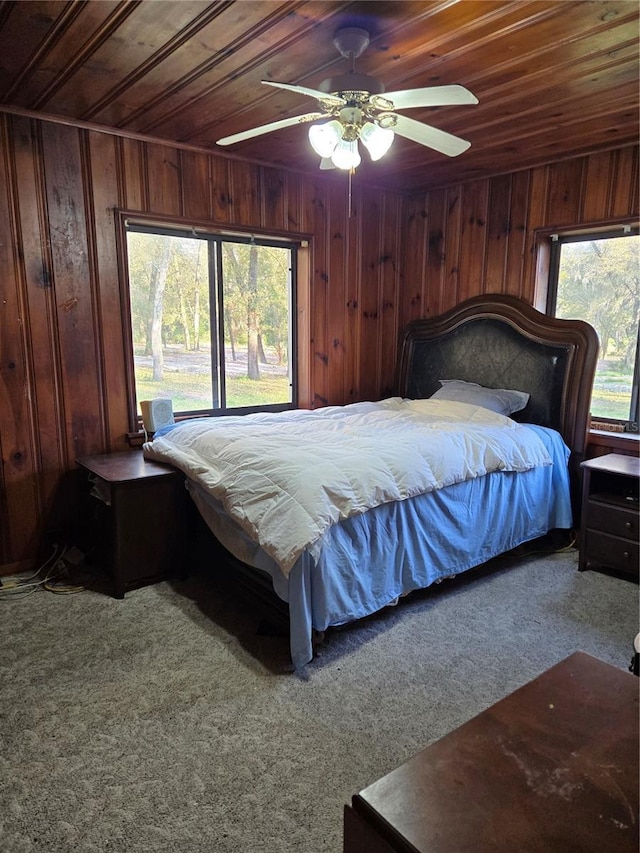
pixel 502 342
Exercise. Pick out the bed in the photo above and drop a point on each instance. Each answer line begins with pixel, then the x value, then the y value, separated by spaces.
pixel 336 513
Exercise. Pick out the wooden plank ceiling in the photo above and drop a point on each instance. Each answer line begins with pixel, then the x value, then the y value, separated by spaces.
pixel 554 79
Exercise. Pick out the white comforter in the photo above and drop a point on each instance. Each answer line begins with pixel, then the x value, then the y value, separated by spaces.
pixel 285 478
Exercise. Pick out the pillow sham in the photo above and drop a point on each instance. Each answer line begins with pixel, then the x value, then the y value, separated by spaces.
pixel 501 400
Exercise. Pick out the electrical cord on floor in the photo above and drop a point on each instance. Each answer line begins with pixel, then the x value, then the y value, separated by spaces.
pixel 16 585
pixel 571 546
pixel 522 550
pixel 62 588
pixel 49 576
pixel 568 547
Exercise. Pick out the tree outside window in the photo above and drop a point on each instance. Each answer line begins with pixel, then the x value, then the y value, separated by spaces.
pixel 597 279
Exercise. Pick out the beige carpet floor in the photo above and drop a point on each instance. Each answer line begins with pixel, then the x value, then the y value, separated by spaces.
pixel 165 723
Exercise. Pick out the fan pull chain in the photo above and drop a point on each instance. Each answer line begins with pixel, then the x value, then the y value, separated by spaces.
pixel 351 171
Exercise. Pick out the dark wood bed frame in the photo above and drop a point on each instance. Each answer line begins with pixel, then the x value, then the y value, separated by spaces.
pixel 502 342
pixel 496 341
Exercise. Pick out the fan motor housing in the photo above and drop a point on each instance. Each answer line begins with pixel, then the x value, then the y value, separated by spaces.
pixel 352 82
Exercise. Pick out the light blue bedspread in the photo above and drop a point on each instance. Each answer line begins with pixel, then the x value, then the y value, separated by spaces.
pixel 367 561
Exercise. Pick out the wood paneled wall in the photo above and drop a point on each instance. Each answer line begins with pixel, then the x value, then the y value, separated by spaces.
pixel 481 237
pixel 492 236
pixel 62 367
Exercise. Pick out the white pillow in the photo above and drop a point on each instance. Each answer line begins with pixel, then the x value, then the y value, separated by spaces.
pixel 499 400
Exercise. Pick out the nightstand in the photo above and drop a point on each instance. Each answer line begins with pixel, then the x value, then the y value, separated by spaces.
pixel 135 518
pixel 609 526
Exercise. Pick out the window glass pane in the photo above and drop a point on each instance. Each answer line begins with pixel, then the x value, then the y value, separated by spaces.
pixel 256 310
pixel 598 281
pixel 169 288
pixel 187 291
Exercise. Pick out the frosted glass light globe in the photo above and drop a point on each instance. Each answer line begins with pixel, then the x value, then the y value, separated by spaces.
pixel 325 137
pixel 376 139
pixel 346 155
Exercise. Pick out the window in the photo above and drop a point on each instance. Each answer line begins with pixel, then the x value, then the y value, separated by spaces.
pixel 211 320
pixel 596 277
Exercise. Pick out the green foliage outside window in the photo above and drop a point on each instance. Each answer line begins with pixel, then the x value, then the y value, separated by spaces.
pixel 179 286
pixel 599 281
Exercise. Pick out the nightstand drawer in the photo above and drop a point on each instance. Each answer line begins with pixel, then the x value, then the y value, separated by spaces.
pixel 612 551
pixel 613 519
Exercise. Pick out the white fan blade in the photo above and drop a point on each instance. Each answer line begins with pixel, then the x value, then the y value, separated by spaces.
pixel 326 163
pixel 434 96
pixel 302 90
pixel 268 128
pixel 439 140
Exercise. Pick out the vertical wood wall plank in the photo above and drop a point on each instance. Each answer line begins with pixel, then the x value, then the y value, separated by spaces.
pixel 352 296
pixel 624 200
pixel 338 250
pixel 473 239
pixel 220 191
pixel 537 214
pixel 194 187
pixel 246 205
pixel 163 179
pixel 498 234
pixel 565 191
pixel 293 199
pixel 389 263
pixel 73 296
pixel 370 298
pixel 133 174
pixel 41 347
pixel 272 195
pixel 634 184
pixel 316 222
pixel 19 514
pixel 109 330
pixel 452 230
pixel 597 187
pixel 435 269
pixel 516 250
pixel 415 247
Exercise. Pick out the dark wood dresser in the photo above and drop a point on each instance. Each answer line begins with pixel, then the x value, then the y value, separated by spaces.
pixel 135 518
pixel 609 532
pixel 550 768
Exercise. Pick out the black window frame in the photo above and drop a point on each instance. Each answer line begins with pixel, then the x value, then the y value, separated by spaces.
pixel 558 240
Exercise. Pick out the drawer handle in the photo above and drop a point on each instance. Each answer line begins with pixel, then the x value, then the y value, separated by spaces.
pixel 626 555
pixel 628 525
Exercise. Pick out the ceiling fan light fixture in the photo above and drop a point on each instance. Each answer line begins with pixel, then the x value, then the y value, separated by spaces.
pixel 346 155
pixel 325 137
pixel 355 106
pixel 377 140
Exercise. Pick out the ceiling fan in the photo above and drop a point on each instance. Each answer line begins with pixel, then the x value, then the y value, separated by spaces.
pixel 358 108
